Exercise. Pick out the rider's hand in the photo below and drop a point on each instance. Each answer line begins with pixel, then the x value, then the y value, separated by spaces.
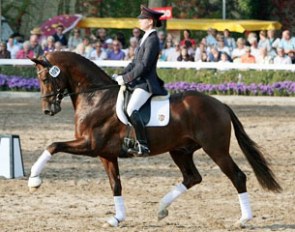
pixel 119 80
pixel 114 77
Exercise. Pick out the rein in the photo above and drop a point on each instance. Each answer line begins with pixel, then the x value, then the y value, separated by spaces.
pixel 66 94
pixel 60 95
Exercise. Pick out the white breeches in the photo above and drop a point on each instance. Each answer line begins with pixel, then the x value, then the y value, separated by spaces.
pixel 137 100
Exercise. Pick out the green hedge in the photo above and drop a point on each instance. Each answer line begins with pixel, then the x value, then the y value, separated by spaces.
pixel 189 75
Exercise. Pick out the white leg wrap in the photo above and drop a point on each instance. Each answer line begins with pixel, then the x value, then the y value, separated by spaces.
pixel 245 208
pixel 172 195
pixel 40 163
pixel 120 212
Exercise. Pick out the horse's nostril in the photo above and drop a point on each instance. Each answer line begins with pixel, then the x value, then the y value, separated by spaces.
pixel 47 112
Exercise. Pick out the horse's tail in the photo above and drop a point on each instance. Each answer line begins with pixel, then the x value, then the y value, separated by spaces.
pixel 251 150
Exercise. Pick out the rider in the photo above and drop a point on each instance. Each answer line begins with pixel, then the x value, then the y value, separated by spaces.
pixel 141 77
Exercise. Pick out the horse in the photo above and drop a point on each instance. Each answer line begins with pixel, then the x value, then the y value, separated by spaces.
pixel 196 121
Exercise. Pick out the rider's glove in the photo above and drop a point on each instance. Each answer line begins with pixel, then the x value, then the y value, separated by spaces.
pixel 114 77
pixel 119 80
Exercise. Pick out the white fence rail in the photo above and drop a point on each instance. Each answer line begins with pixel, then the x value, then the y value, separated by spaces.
pixel 177 65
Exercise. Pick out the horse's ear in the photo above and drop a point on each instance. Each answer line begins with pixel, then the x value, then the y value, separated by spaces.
pixel 36 61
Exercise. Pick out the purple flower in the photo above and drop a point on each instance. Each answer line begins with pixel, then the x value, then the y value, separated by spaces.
pixel 285 88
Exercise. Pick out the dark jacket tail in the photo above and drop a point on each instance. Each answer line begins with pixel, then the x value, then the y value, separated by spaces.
pixel 255 157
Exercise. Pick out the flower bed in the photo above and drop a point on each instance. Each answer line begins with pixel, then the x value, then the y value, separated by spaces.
pixel 283 88
pixel 18 83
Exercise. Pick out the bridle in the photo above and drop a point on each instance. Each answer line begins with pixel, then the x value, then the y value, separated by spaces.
pixel 58 93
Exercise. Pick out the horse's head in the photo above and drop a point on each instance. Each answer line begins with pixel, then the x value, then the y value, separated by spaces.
pixel 52 84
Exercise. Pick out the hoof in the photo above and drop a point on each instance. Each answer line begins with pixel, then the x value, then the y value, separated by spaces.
pixel 34 183
pixel 242 223
pixel 162 214
pixel 111 222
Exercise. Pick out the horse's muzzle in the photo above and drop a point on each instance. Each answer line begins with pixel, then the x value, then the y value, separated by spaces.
pixel 52 109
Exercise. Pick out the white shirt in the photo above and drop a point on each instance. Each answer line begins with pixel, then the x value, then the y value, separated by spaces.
pixel 282 60
pixel 146 34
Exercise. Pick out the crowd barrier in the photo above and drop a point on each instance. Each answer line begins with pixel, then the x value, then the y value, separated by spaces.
pixel 177 65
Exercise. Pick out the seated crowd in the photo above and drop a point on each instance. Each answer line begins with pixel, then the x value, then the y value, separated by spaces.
pixel 261 48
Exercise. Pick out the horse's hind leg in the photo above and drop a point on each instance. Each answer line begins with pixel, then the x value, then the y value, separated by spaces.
pixel 184 160
pixel 238 178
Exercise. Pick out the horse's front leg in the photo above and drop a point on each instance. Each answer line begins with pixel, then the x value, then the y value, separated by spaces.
pixel 79 146
pixel 112 169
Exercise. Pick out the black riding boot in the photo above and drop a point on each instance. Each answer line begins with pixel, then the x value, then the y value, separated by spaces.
pixel 142 148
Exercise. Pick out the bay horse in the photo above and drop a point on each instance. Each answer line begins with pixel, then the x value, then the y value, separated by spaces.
pixel 197 121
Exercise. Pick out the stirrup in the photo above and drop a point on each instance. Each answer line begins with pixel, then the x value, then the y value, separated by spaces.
pixel 139 150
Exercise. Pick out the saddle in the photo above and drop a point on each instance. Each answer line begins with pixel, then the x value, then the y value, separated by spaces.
pixel 155 112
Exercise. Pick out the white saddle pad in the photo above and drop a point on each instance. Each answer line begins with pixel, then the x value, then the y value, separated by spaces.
pixel 160 109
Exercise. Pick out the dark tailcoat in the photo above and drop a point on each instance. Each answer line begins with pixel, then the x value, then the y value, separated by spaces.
pixel 141 72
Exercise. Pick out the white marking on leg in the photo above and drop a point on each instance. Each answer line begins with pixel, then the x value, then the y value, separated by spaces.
pixel 167 200
pixel 35 180
pixel 245 209
pixel 120 212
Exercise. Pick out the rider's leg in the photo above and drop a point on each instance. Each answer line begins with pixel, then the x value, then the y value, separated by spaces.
pixel 138 98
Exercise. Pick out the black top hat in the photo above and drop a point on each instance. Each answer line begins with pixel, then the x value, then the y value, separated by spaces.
pixel 147 13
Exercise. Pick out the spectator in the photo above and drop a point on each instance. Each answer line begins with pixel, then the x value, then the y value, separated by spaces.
pixel 238 51
pixel 59 36
pixel 116 53
pixel 214 55
pixel 4 53
pixel 109 47
pixel 98 53
pixel 167 49
pixel 287 42
pixel 25 52
pixel 187 37
pixel 58 47
pixel 37 32
pixel 101 35
pixel 291 54
pixel 120 36
pixel 35 46
pixel 273 40
pixel 87 46
pixel 221 46
pixel 13 47
pixel 210 38
pixel 133 44
pixel 49 46
pixel 80 49
pixel 281 57
pixel 250 35
pixel 229 41
pixel 174 52
pixel 254 47
pixel 204 57
pixel 263 57
pixel 74 39
pixel 130 54
pixel 169 38
pixel 136 32
pixel 263 41
pixel 199 52
pixel 184 55
pixel 224 58
pixel 162 37
pixel 247 57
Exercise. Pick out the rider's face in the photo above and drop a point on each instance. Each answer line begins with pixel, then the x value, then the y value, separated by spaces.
pixel 145 24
